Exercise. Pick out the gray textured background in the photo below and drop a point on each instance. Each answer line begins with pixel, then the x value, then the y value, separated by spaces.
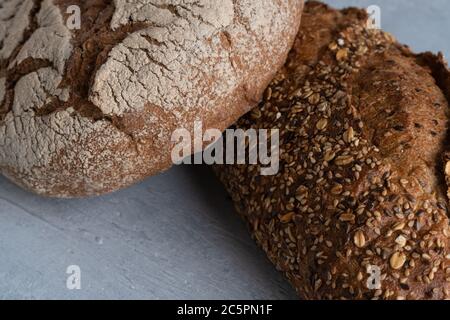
pixel 172 236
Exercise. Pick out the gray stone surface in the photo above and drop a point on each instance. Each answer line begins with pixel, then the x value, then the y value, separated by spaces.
pixel 172 236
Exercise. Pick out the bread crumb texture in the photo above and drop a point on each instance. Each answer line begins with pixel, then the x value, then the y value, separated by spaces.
pixel 89 111
pixel 358 209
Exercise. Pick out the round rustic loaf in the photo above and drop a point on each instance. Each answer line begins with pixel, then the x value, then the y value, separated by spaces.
pixel 88 111
pixel 358 209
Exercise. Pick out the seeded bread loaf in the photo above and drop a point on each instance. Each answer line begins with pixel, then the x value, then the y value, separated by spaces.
pixel 87 111
pixel 358 209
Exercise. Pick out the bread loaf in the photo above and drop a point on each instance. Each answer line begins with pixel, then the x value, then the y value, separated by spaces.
pixel 359 207
pixel 87 111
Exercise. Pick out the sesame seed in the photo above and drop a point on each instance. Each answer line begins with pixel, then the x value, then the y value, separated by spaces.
pixel 349 135
pixel 447 168
pixel 426 257
pixel 347 217
pixel 329 155
pixel 287 217
pixel 342 54
pixel 337 189
pixel 314 98
pixel 399 226
pixel 322 124
pixel 359 239
pixel 397 260
pixel 344 160
pixel 401 241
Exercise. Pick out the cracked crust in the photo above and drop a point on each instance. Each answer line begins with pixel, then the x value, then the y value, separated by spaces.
pixel 2 89
pixel 363 127
pixel 86 112
pixel 14 16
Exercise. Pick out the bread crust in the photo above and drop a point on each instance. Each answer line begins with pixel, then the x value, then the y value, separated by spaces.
pixel 363 129
pixel 86 112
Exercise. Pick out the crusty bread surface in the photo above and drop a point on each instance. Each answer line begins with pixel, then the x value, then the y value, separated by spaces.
pixel 88 111
pixel 359 208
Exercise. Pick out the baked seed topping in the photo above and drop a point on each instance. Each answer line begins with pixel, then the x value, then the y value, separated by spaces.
pixel 345 206
pixel 397 260
pixel 359 239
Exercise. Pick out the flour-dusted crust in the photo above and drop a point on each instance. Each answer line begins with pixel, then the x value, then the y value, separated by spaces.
pixel 85 112
pixel 14 16
pixel 359 208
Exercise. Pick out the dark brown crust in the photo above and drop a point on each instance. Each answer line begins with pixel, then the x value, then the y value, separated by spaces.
pixel 441 73
pixel 362 130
